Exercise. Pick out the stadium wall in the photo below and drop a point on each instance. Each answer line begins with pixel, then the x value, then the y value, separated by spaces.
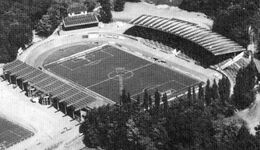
pixel 80 26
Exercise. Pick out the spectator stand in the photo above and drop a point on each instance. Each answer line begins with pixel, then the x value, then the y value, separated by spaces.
pixel 68 98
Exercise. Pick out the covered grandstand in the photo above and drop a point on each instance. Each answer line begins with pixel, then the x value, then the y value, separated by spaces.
pixel 80 21
pixel 198 43
pixel 64 96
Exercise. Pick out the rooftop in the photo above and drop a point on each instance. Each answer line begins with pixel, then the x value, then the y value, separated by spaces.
pixel 80 20
pixel 213 42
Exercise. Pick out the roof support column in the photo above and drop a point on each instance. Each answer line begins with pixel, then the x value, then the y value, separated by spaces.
pixel 65 109
pixel 73 114
pixel 10 79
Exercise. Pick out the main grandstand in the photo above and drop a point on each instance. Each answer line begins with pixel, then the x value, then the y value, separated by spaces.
pixel 91 78
pixel 205 46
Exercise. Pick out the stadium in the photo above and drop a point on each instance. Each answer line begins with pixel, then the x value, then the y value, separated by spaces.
pixel 78 72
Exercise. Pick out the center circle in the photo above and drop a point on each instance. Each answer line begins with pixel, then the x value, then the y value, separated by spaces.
pixel 120 72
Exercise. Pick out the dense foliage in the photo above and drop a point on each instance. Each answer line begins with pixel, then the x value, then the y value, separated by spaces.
pixel 18 19
pixel 188 123
pixel 244 93
pixel 119 5
pixel 105 14
pixel 231 17
pixel 90 5
pixel 16 22
pixel 52 19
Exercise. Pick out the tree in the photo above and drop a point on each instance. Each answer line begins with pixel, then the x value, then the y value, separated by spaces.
pixel 189 93
pixel 123 97
pixel 90 4
pixel 15 28
pixel 257 129
pixel 52 19
pixel 189 127
pixel 201 92
pixel 119 5
pixel 244 140
pixel 105 14
pixel 243 90
pixel 208 93
pixel 129 98
pixel 157 99
pixel 146 99
pixel 231 18
pixel 138 101
pixel 20 35
pixel 215 93
pixel 185 125
pixel 224 89
pixel 150 101
pixel 194 96
pixel 165 102
pixel 44 26
pixel 232 24
pixel 4 6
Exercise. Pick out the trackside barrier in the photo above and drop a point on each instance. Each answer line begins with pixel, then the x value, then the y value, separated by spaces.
pixel 183 91
pixel 79 54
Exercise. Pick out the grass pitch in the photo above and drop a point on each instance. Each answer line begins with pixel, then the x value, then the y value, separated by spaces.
pixel 11 134
pixel 100 70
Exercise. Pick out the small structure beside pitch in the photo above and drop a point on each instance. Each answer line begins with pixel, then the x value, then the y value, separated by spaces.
pixel 78 18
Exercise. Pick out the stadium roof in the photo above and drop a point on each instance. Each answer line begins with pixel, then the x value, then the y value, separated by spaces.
pixel 213 42
pixel 48 84
pixel 79 20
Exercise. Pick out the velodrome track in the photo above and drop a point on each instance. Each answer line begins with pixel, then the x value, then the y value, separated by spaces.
pixel 40 52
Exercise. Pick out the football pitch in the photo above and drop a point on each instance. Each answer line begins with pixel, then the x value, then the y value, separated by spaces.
pixel 11 134
pixel 105 69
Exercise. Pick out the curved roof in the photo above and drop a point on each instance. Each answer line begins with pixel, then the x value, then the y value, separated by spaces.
pixel 213 42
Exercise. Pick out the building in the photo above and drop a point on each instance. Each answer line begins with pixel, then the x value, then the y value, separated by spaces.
pixel 78 18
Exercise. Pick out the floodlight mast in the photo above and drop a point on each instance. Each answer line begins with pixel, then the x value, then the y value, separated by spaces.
pixel 120 73
pixel 121 87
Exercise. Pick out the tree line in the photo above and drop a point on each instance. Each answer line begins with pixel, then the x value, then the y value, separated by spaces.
pixel 232 18
pixel 200 119
pixel 189 123
pixel 19 18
